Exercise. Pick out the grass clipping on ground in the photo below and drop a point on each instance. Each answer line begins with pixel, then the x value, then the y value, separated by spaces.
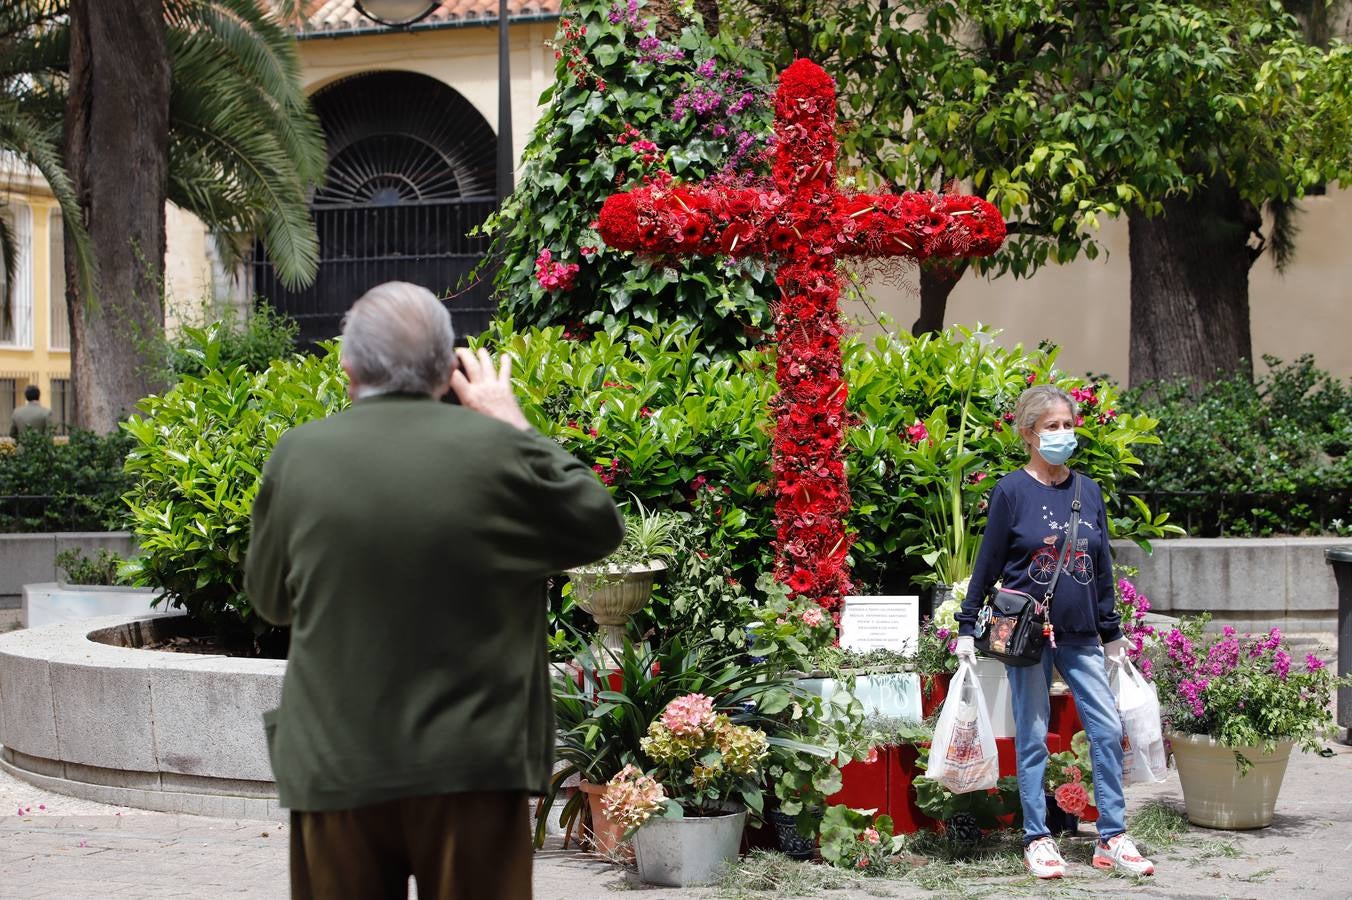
pixel 928 862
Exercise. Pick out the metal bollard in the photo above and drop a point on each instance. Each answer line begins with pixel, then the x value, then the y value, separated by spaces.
pixel 1341 560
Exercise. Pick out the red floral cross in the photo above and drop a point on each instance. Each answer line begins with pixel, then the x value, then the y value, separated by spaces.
pixel 804 223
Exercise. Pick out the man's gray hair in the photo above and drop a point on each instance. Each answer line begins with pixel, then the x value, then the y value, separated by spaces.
pixel 1037 400
pixel 398 338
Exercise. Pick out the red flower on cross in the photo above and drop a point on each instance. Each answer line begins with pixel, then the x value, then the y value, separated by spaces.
pixel 806 223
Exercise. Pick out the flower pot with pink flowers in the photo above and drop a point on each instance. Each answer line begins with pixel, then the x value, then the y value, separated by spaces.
pixel 687 810
pixel 1234 706
pixel 1070 787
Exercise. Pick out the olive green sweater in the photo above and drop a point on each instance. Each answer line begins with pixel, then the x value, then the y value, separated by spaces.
pixel 407 543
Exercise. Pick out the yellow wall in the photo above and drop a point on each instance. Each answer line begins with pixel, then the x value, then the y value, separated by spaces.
pixel 36 364
pixel 1085 306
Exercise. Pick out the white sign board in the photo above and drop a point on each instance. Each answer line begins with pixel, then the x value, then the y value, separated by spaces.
pixel 880 623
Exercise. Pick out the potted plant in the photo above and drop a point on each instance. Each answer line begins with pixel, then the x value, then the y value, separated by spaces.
pixel 965 817
pixel 934 660
pixel 1070 787
pixel 601 731
pixel 950 482
pixel 1234 706
pixel 620 585
pixel 687 811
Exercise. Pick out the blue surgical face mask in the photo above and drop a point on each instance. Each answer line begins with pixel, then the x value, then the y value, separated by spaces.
pixel 1056 446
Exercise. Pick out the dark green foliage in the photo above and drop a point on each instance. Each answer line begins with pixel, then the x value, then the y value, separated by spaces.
pixel 251 341
pixel 580 152
pixel 1264 457
pixel 72 486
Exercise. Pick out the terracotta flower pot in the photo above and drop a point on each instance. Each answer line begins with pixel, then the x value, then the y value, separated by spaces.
pixel 933 692
pixel 1216 794
pixel 606 835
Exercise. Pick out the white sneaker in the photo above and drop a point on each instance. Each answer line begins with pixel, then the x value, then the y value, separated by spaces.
pixel 1120 853
pixel 1043 859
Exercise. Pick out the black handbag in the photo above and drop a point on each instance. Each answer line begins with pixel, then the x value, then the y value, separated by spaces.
pixel 1013 626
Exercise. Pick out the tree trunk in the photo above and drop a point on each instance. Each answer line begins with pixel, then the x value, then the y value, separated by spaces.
pixel 937 280
pixel 1190 287
pixel 116 144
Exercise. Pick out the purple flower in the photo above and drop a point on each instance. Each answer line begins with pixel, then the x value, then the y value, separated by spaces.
pixel 1313 663
pixel 1192 692
pixel 1281 664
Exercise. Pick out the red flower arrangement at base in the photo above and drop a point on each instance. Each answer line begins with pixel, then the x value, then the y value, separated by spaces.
pixel 805 223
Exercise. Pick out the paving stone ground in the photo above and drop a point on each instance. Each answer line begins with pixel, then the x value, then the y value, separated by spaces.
pixel 66 849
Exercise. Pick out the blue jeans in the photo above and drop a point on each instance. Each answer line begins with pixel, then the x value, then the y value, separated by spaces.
pixel 1084 671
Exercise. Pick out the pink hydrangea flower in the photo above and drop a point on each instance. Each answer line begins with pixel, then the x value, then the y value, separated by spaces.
pixel 689 715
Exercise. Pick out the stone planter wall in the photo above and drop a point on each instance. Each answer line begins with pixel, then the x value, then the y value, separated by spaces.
pixel 1250 583
pixel 156 730
pixel 31 558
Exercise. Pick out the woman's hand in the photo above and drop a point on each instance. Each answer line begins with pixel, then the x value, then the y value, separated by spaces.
pixel 1115 653
pixel 966 651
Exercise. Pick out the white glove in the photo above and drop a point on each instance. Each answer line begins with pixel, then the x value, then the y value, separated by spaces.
pixel 1115 652
pixel 966 651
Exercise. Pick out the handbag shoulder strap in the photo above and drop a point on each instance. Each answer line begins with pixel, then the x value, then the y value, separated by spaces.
pixel 1067 552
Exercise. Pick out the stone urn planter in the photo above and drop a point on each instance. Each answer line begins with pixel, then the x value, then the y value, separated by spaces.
pixel 688 851
pixel 612 595
pixel 1216 794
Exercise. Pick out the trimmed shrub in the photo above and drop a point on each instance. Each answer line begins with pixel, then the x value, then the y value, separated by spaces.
pixel 658 420
pixel 197 456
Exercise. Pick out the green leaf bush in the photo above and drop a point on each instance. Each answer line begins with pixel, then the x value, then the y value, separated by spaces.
pixel 592 141
pixel 196 459
pixel 661 421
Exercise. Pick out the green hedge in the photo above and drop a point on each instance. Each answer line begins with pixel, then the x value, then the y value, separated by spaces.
pixel 74 486
pixel 1270 456
pixel 660 421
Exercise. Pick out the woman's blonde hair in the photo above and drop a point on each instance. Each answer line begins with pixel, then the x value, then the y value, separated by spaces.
pixel 1037 400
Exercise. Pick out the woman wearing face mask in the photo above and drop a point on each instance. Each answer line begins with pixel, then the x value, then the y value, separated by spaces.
pixel 1026 532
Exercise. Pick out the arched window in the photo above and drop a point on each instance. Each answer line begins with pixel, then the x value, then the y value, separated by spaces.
pixel 412 169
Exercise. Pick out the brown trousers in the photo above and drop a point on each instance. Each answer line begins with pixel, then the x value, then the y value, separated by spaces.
pixel 470 846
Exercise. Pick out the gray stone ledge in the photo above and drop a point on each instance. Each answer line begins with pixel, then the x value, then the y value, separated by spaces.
pixel 182 799
pixel 1251 583
pixel 136 725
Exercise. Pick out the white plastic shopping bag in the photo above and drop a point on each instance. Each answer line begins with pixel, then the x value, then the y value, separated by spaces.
pixel 1138 704
pixel 962 754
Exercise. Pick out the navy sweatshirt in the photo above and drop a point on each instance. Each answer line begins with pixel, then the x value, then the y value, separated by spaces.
pixel 1026 531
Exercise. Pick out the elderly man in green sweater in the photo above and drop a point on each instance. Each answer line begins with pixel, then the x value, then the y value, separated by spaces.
pixel 407 543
